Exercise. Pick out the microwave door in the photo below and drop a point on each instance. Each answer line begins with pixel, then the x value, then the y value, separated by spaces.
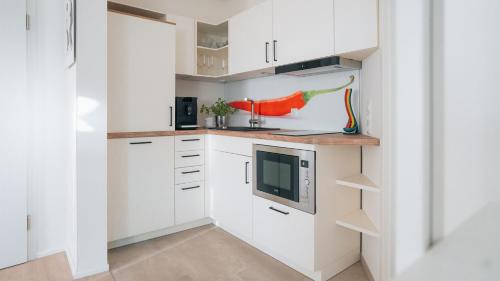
pixel 278 174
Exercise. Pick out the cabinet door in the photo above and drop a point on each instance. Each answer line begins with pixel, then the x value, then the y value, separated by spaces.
pixel 140 186
pixel 302 30
pixel 185 44
pixel 141 74
pixel 356 27
pixel 284 232
pixel 189 202
pixel 250 39
pixel 232 187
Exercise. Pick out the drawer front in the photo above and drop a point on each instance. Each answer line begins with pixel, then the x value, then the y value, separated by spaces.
pixel 189 158
pixel 284 232
pixel 189 142
pixel 189 174
pixel 189 202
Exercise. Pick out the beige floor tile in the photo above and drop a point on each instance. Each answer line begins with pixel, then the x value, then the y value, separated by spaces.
pixel 203 254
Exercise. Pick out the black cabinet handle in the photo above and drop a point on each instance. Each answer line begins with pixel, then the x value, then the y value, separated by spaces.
pixel 191 140
pixel 275 42
pixel 142 142
pixel 190 172
pixel 188 188
pixel 189 156
pixel 246 173
pixel 267 55
pixel 171 116
pixel 279 211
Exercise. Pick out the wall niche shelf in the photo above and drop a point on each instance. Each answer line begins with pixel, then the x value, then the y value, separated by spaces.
pixel 359 221
pixel 359 181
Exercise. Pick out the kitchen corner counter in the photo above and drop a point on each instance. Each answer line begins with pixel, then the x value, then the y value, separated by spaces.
pixel 329 139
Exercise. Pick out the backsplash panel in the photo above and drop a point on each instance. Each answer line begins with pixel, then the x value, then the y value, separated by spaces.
pixel 323 112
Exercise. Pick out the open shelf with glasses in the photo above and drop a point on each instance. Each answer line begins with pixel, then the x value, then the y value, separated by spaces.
pixel 212 49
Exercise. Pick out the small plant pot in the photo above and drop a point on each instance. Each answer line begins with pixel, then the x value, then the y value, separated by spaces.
pixel 221 122
pixel 210 122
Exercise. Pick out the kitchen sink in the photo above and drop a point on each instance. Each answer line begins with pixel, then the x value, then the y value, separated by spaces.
pixel 245 129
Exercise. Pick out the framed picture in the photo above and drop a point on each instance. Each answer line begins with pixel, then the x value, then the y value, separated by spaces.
pixel 70 32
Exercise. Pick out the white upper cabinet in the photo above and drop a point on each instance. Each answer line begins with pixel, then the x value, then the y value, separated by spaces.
pixel 141 74
pixel 185 44
pixel 302 30
pixel 356 28
pixel 250 37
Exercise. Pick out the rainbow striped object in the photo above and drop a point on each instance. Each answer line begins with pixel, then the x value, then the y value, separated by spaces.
pixel 352 125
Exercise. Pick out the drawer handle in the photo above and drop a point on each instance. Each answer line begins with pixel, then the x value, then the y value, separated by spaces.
pixel 279 211
pixel 191 172
pixel 141 142
pixel 191 140
pixel 189 156
pixel 188 188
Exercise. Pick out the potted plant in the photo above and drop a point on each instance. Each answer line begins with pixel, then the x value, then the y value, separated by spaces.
pixel 221 110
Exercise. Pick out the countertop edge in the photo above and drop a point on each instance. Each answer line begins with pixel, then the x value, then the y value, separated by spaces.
pixel 330 139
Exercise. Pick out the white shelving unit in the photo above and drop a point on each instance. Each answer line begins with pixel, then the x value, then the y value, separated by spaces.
pixel 359 221
pixel 212 49
pixel 359 181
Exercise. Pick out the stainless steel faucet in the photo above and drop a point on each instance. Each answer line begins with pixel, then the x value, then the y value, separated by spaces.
pixel 253 121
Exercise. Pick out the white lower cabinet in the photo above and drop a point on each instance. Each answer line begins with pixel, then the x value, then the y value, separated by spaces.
pixel 189 202
pixel 140 186
pixel 284 232
pixel 232 193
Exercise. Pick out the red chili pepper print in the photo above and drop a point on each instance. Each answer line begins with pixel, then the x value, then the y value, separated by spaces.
pixel 285 105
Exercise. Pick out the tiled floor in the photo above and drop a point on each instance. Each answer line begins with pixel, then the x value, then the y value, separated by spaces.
pixel 205 253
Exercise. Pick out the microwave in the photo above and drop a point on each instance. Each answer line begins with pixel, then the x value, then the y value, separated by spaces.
pixel 286 176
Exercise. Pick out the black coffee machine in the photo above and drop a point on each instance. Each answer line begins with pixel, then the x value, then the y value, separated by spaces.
pixel 186 113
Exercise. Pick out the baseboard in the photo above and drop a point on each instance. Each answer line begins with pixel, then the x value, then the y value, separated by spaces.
pixel 158 233
pixel 46 253
pixel 94 271
pixel 367 269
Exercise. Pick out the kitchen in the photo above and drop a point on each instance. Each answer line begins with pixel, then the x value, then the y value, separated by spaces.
pixel 220 140
pixel 243 174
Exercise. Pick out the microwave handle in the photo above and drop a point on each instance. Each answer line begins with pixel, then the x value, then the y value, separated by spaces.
pixel 246 173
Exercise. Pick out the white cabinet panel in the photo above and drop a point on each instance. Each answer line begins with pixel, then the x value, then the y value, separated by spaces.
pixel 185 44
pixel 189 174
pixel 356 27
pixel 284 231
pixel 302 30
pixel 250 35
pixel 140 186
pixel 232 193
pixel 189 202
pixel 141 74
pixel 189 158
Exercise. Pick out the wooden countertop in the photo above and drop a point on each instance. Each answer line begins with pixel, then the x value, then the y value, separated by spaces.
pixel 329 139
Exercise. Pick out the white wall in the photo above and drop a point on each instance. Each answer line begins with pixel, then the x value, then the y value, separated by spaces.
pixel 324 112
pixel 467 130
pixel 90 206
pixel 52 142
pixel 410 131
pixel 371 124
pixel 211 11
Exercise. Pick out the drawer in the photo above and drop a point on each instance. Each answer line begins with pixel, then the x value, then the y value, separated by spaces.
pixel 189 142
pixel 189 158
pixel 189 202
pixel 277 226
pixel 235 145
pixel 189 174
